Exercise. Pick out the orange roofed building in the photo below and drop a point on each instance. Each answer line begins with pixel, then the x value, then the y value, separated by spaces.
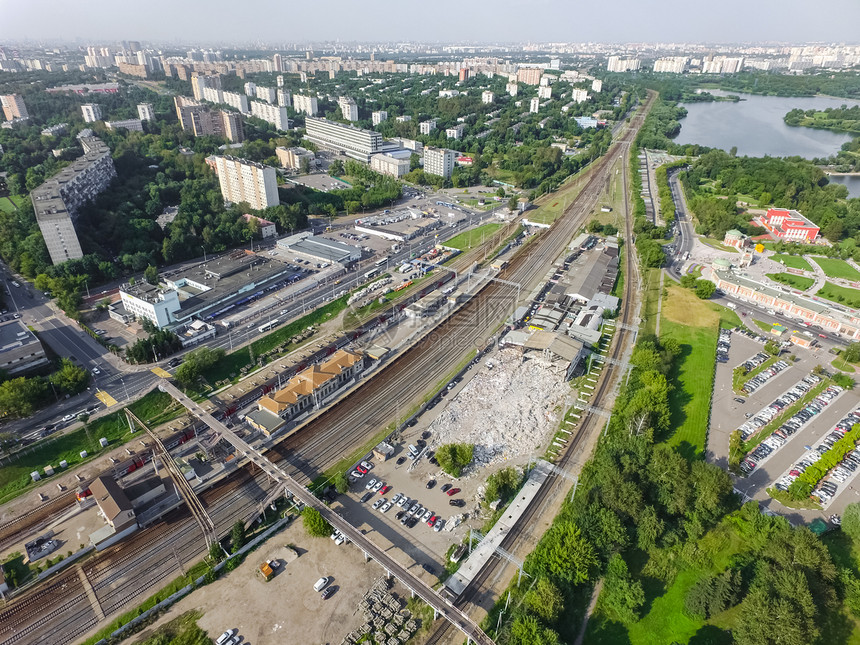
pixel 309 388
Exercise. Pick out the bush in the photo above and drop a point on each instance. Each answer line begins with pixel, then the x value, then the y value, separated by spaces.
pixel 502 484
pixel 315 524
pixel 453 457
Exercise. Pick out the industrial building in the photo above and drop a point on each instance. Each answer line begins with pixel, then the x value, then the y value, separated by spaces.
pixel 320 248
pixel 20 350
pixel 308 390
pixel 398 226
pixel 56 202
pixel 555 346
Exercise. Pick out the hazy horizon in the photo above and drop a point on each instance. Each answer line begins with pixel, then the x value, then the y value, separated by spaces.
pixel 479 21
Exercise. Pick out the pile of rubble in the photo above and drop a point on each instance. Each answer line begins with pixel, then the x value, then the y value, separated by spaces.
pixel 385 618
pixel 507 412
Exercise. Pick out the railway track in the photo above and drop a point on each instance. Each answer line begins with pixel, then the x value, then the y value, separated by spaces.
pixel 315 447
pixel 481 585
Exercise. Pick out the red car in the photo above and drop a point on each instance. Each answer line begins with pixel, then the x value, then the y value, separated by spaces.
pixel 432 520
pixel 384 490
pixel 452 492
pixel 361 469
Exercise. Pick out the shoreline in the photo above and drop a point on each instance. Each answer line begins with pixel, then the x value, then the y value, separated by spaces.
pixel 839 174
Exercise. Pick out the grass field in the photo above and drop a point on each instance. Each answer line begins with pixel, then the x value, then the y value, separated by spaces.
pixel 842 295
pixel 792 261
pixel 10 204
pixel 153 409
pixel 762 325
pixel 796 281
pixel 716 244
pixel 695 324
pixel 651 294
pixel 835 268
pixel 468 239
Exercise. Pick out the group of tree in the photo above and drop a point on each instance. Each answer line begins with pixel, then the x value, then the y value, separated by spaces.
pixel 454 457
pixel 23 395
pixel 704 289
pixel 195 363
pixel 594 226
pixel 159 344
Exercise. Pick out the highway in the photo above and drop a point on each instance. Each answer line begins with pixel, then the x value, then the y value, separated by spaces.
pixel 319 444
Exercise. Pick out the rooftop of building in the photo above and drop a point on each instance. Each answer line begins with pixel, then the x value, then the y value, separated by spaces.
pixel 246 162
pixel 110 497
pixel 347 126
pixel 14 334
pixel 46 198
pixel 322 247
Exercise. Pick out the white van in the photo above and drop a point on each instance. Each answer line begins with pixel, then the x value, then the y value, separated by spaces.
pixel 320 584
pixel 223 638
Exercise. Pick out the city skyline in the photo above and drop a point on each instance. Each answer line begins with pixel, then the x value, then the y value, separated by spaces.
pixel 481 21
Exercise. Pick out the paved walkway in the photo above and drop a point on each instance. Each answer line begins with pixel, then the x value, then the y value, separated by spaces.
pixel 820 278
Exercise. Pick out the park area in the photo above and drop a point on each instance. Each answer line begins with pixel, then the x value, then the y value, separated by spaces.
pixel 796 281
pixel 834 268
pixel 474 237
pixel 792 261
pixel 11 203
pixel 842 295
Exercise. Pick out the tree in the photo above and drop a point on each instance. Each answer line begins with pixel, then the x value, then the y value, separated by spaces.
pixel 713 594
pixel 20 396
pixel 851 521
pixel 705 289
pixel 513 203
pixel 315 524
pixel 621 595
pixel 526 630
pixel 563 555
pixel 414 162
pixel 237 536
pixel 341 482
pixel 305 166
pixel 772 347
pixel 335 168
pixel 594 226
pixel 151 275
pixel 216 553
pixel 851 354
pixel 544 600
pixel 453 457
pixel 70 378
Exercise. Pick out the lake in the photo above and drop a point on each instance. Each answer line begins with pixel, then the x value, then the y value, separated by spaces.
pixel 756 127
pixel 851 181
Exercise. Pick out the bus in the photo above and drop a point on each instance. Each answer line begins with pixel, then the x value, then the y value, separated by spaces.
pixel 371 274
pixel 267 326
pixel 381 263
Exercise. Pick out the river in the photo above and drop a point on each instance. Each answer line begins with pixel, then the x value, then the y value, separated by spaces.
pixel 756 127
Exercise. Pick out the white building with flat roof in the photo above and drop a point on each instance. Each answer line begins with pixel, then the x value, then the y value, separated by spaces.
pixel 348 108
pixel 487 96
pixel 132 125
pixel 91 112
pixel 267 94
pixel 378 117
pixel 534 104
pixel 388 164
pixel 274 114
pixel 426 127
pixel 356 142
pixel 305 104
pixel 579 96
pixel 439 161
pixel 246 181
pixel 456 132
pixel 284 98
pixel 145 301
pixel 145 112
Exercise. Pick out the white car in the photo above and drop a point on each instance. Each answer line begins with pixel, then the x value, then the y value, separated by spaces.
pixel 371 484
pixel 385 507
pixel 379 503
pixel 396 498
pixel 403 502
pixel 378 486
pixel 357 474
pixel 427 515
pixel 223 638
pixel 366 465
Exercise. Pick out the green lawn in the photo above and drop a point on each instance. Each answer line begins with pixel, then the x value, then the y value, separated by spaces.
pixel 792 261
pixel 763 325
pixel 695 325
pixel 153 409
pixel 843 295
pixel 10 204
pixel 835 268
pixel 796 281
pixel 468 239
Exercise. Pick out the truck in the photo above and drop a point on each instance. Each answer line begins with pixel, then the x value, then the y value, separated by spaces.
pixel 732 305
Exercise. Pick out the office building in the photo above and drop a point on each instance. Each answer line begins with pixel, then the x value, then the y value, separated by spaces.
pixel 378 117
pixel 578 96
pixel 348 108
pixel 145 112
pixel 426 127
pixel 597 86
pixel 132 125
pixel 91 112
pixel 57 202
pixel 247 181
pixel 305 104
pixel 355 142
pixel 154 303
pixel 273 114
pixel 487 96
pixel 390 164
pixel 544 92
pixel 439 161
pixel 20 350
pixel 267 94
pixel 292 157
pixel 534 105
pixel 284 98
pixel 529 76
pixel 13 107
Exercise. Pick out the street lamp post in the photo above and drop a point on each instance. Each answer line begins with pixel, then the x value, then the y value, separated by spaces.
pixel 204 254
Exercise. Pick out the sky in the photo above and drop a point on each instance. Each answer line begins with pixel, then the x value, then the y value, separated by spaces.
pixel 285 21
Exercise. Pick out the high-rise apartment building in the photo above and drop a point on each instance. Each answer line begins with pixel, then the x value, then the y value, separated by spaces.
pixel 145 112
pixel 202 120
pixel 617 64
pixel 284 98
pixel 91 112
pixel 512 89
pixel 579 96
pixel 267 94
pixel 348 108
pixel 597 86
pixel 487 96
pixel 378 116
pixel 534 104
pixel 251 89
pixel 439 161
pixel 278 62
pixel 305 104
pixel 544 92
pixel 455 132
pixel 426 127
pixel 355 142
pixel 273 114
pixel 58 201
pixel 529 75
pixel 13 107
pixel 247 181
pixel 200 82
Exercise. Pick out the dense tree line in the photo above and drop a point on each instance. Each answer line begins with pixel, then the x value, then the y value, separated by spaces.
pixel 23 395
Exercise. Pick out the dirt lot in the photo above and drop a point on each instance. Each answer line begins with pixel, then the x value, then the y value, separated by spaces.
pixel 286 610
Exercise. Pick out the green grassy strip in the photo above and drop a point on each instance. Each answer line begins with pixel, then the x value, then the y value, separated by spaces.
pixel 785 499
pixel 814 473
pixel 791 261
pixel 796 281
pixel 836 268
pixel 739 379
pixel 786 414
pixel 842 295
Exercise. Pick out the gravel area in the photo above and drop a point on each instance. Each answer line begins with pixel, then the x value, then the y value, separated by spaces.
pixel 509 411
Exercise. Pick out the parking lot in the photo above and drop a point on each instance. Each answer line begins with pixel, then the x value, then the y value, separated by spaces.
pixel 733 415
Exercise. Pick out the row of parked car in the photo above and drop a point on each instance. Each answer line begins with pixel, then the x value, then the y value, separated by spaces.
pixel 763 377
pixel 767 414
pixel 780 435
pixel 826 490
pixel 754 361
pixel 724 343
